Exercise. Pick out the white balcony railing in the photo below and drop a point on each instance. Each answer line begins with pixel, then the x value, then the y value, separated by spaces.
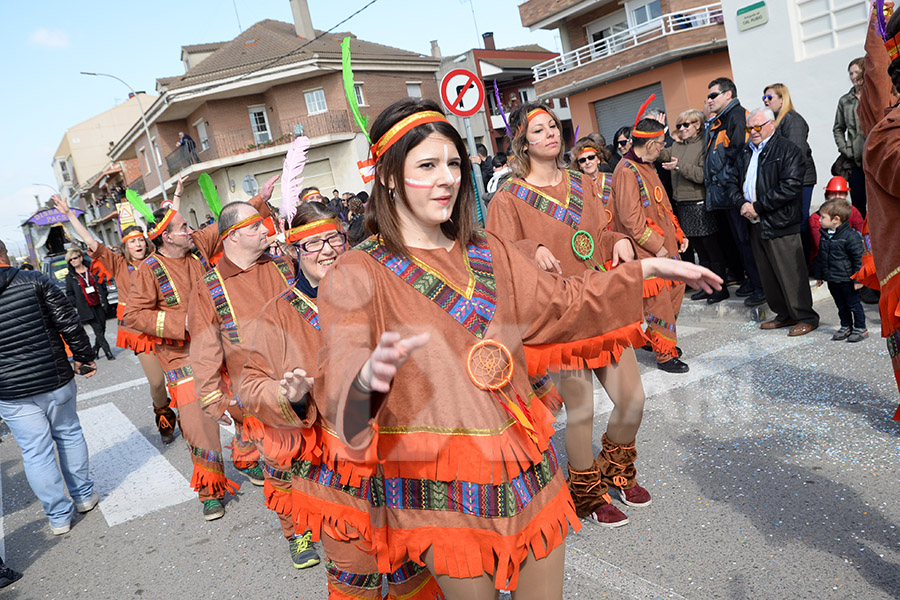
pixel 654 29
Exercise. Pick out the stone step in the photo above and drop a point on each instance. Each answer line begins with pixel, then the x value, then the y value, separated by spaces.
pixel 734 309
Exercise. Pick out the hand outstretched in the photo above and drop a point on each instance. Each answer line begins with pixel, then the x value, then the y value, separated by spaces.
pixel 295 384
pixel 389 355
pixel 678 270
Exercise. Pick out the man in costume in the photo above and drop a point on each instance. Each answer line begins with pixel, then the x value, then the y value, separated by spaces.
pixel 160 291
pixel 222 308
pixel 641 210
pixel 879 118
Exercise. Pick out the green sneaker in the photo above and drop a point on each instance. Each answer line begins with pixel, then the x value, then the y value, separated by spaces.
pixel 254 474
pixel 213 509
pixel 303 555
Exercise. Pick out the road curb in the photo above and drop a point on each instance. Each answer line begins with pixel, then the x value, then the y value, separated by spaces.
pixel 734 309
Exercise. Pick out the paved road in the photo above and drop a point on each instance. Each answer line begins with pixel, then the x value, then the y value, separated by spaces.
pixel 772 466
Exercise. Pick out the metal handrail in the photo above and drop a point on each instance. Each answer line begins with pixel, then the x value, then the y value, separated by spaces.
pixel 654 29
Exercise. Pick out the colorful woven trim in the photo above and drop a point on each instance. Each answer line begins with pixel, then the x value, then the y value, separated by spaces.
pixel 176 376
pixel 222 303
pixel 606 189
pixel 473 308
pixel 365 581
pixel 292 236
pixel 163 224
pixel 303 305
pixel 893 341
pixel 480 500
pixel 893 47
pixel 402 127
pixel 241 224
pixel 277 474
pixel 166 287
pixel 133 236
pixel 658 323
pixel 407 571
pixel 208 455
pixel 645 193
pixel 284 268
pixel 197 256
pixel 569 214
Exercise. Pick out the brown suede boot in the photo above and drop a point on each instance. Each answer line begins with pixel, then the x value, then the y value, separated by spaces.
pixel 616 465
pixel 165 420
pixel 587 489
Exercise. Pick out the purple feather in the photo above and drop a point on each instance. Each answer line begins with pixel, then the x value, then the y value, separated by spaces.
pixel 291 181
pixel 577 127
pixel 500 106
pixel 880 21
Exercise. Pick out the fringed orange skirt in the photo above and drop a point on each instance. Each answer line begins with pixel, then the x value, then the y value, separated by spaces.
pixel 131 339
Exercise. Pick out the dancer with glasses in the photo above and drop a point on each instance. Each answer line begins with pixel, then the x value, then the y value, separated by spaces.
pixel 685 160
pixel 562 219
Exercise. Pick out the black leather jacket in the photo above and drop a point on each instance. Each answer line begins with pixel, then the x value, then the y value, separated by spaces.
pixel 779 186
pixel 725 136
pixel 32 355
pixel 794 127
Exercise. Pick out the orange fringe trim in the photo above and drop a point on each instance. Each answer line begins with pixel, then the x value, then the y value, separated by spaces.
pixel 654 285
pixel 427 590
pixel 662 345
pixel 340 520
pixel 889 306
pixel 278 499
pixel 254 430
pixel 216 484
pixel 866 274
pixel 243 458
pixel 102 274
pixel 462 553
pixel 590 353
pixel 281 446
pixel 131 340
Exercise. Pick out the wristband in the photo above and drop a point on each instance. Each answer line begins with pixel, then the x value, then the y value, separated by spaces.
pixel 359 386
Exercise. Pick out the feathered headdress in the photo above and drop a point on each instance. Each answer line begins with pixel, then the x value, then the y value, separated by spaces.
pixel 509 133
pixel 635 132
pixel 139 205
pixel 349 89
pixel 210 194
pixel 291 181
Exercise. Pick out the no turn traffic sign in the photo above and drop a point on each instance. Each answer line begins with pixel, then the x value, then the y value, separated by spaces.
pixel 462 92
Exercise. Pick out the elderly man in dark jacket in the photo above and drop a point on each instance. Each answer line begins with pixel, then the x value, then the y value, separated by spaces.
pixel 37 390
pixel 767 184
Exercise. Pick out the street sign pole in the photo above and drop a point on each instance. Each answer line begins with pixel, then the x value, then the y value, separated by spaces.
pixel 480 215
pixel 463 95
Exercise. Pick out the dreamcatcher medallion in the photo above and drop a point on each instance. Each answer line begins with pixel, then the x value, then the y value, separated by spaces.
pixel 583 244
pixel 658 193
pixel 490 365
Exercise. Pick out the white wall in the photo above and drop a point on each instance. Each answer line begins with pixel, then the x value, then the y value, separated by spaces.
pixel 775 53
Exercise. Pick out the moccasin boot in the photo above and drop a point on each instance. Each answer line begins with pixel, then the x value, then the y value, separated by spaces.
pixel 616 465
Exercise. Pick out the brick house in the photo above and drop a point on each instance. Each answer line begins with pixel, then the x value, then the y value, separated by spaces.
pixel 243 101
pixel 615 54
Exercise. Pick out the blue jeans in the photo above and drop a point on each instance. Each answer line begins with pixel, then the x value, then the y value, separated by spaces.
pixel 37 422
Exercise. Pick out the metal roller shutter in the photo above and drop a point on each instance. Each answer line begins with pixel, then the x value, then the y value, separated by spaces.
pixel 620 111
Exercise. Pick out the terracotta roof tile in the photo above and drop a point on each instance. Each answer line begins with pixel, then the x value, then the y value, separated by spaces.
pixel 269 41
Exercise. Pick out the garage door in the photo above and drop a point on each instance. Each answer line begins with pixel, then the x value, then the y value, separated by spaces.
pixel 620 111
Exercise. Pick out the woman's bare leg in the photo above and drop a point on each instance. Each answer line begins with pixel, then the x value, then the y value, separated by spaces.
pixel 542 579
pixel 155 378
pixel 577 391
pixel 470 588
pixel 622 381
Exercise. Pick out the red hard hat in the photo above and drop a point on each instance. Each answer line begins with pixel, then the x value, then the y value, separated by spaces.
pixel 837 184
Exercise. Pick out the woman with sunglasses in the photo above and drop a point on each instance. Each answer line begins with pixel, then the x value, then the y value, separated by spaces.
pixel 790 124
pixel 620 146
pixel 686 159
pixel 591 158
pixel 561 218
pixel 120 267
pixel 424 377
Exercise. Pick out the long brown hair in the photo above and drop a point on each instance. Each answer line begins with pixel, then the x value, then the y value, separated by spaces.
pixel 518 122
pixel 123 246
pixel 381 211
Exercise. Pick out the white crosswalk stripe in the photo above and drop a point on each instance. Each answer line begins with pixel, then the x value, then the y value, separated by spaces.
pixel 131 476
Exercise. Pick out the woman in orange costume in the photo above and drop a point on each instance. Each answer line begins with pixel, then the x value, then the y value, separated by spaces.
pixel 561 218
pixel 446 463
pixel 119 267
pixel 879 117
pixel 286 343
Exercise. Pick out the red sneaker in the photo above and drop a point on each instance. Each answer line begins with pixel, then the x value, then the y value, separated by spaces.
pixel 636 496
pixel 610 516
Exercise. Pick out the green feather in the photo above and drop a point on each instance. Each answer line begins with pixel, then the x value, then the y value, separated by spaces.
pixel 361 120
pixel 138 203
pixel 210 194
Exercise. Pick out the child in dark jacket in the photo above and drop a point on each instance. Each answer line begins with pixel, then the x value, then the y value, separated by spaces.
pixel 840 256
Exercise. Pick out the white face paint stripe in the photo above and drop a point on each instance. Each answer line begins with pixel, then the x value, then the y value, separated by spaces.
pixel 419 185
pixel 447 162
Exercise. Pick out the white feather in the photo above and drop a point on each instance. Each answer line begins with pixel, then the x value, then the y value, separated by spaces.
pixel 291 180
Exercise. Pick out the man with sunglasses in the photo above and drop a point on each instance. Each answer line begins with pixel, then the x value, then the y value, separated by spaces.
pixel 725 137
pixel 224 306
pixel 767 184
